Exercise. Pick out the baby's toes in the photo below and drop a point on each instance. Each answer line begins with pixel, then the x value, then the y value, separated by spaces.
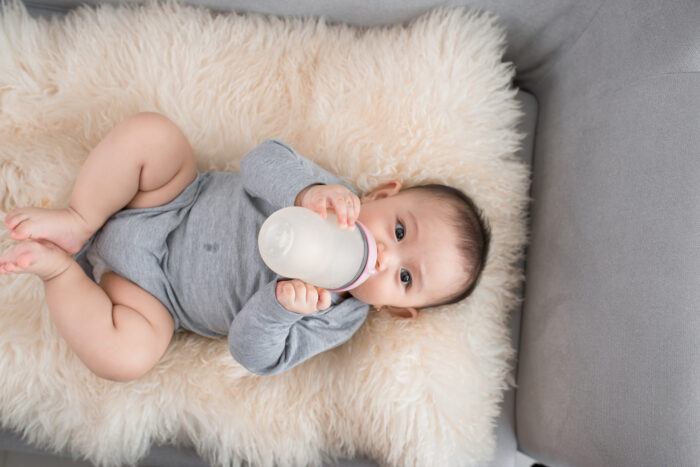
pixel 35 258
pixel 20 227
pixel 25 260
pixel 8 261
pixel 14 217
pixel 7 257
pixel 22 230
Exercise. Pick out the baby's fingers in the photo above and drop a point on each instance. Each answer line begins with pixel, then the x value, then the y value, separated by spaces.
pixel 355 209
pixel 340 206
pixel 352 203
pixel 285 293
pixel 324 299
pixel 311 295
pixel 347 209
pixel 320 207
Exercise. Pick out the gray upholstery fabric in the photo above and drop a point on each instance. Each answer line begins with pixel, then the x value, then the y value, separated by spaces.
pixel 609 361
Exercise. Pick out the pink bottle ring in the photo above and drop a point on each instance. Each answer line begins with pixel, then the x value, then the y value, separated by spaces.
pixel 369 260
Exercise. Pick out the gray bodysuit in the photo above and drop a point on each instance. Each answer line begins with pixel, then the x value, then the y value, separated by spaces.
pixel 198 255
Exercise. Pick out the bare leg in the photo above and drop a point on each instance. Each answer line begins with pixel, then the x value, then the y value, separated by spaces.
pixel 116 328
pixel 143 161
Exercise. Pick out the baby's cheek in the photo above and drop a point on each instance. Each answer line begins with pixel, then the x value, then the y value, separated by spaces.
pixel 369 291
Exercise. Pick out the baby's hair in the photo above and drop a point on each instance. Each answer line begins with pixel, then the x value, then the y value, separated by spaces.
pixel 474 234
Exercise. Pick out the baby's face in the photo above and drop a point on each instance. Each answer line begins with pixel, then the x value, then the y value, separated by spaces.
pixel 418 262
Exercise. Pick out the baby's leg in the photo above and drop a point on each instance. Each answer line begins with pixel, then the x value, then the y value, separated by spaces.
pixel 117 329
pixel 144 161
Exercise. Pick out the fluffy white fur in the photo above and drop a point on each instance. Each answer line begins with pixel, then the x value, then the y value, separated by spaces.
pixel 428 101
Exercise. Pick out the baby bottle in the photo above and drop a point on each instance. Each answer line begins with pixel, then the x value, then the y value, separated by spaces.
pixel 297 243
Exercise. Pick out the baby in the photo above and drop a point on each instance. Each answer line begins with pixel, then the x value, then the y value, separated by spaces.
pixel 160 247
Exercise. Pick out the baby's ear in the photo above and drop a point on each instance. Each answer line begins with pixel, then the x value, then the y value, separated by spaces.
pixel 401 312
pixel 384 190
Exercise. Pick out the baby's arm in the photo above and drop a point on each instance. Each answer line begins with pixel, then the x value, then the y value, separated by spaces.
pixel 268 339
pixel 276 173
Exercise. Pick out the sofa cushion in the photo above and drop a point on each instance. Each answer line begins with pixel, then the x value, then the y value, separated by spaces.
pixel 609 369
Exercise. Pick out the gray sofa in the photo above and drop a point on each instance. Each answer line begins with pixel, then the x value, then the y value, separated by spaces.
pixel 608 370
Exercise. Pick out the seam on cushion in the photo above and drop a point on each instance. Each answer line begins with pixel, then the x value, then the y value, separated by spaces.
pixel 631 84
pixel 547 67
pixel 669 73
pixel 660 75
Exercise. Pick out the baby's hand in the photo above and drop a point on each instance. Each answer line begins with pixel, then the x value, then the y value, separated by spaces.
pixel 298 296
pixel 344 202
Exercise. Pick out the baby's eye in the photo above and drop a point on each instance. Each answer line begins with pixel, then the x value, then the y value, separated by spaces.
pixel 405 277
pixel 399 231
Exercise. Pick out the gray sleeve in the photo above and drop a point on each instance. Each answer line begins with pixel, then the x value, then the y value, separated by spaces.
pixel 276 173
pixel 268 339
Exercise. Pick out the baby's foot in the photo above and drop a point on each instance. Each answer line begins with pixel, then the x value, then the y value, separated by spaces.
pixel 64 227
pixel 44 259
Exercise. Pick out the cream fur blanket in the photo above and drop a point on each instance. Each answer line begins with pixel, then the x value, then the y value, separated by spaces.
pixel 429 101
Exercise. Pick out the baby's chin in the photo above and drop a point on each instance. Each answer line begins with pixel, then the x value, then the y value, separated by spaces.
pixel 363 292
pixel 354 292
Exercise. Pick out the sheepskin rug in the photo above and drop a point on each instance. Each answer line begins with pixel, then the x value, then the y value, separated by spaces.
pixel 428 101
